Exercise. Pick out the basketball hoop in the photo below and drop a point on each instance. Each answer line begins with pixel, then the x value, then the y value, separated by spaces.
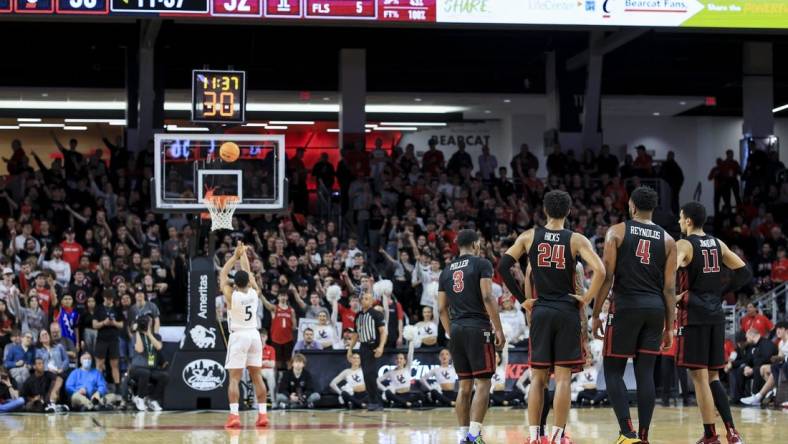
pixel 221 209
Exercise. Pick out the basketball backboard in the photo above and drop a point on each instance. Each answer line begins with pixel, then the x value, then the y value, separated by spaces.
pixel 188 165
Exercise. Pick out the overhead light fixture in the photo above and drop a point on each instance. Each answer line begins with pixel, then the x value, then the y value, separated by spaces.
pixel 507 100
pixel 292 122
pixel 9 127
pixel 487 111
pixel 367 130
pixel 276 127
pixel 413 109
pixel 28 119
pixel 75 128
pixel 86 120
pixel 255 124
pixel 780 108
pixel 332 130
pixel 118 122
pixel 417 99
pixel 413 123
pixel 104 105
pixel 41 125
pixel 195 129
pixel 371 125
pixel 682 103
pixel 656 113
pixel 399 128
pixel 326 99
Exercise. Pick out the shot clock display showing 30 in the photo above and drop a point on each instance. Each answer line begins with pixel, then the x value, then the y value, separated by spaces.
pixel 218 96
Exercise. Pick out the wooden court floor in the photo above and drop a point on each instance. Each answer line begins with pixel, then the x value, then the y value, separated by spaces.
pixel 674 425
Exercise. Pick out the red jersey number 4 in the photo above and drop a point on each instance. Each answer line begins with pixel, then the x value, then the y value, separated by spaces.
pixel 643 251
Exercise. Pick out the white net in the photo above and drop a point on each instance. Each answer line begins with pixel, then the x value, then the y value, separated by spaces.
pixel 221 209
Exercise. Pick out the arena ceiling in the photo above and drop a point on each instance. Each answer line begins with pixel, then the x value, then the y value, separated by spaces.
pixel 93 55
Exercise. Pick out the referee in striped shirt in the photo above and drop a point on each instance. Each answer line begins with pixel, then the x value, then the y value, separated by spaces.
pixel 371 332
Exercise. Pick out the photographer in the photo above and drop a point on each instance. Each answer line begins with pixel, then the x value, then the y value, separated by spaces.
pixel 146 366
pixel 142 307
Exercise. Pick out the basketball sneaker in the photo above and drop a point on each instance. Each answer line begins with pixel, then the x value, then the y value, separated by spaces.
pixel 624 439
pixel 470 439
pixel 713 440
pixel 735 438
pixel 262 420
pixel 233 422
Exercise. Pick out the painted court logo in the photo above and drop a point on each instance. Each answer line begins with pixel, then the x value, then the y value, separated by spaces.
pixel 204 375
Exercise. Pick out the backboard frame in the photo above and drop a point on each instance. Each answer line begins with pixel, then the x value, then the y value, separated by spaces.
pixel 278 204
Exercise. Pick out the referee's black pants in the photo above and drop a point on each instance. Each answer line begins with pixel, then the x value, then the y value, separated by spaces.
pixel 369 366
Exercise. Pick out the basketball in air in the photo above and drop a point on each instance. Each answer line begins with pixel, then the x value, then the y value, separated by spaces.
pixel 229 151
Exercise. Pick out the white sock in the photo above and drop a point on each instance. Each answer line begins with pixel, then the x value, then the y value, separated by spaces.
pixel 463 431
pixel 533 433
pixel 556 434
pixel 262 408
pixel 234 408
pixel 475 429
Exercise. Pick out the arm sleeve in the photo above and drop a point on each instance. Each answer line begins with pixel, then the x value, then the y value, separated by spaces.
pixel 741 277
pixel 504 268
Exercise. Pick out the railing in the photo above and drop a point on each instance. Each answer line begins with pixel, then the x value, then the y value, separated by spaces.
pixel 769 302
pixel 327 208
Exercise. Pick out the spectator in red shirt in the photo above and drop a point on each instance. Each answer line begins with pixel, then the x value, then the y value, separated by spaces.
pixel 754 319
pixel 432 161
pixel 347 315
pixel 269 365
pixel 72 250
pixel 643 164
pixel 780 267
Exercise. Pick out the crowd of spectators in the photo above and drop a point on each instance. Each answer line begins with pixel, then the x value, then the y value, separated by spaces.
pixel 85 259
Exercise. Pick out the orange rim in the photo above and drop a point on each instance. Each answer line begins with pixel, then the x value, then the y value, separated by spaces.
pixel 221 202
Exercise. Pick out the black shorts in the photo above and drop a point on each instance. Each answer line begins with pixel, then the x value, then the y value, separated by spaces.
pixel 473 352
pixel 107 349
pixel 283 351
pixel 701 346
pixel 555 338
pixel 631 332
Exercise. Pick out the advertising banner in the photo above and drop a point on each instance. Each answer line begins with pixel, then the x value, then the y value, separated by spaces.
pixel 650 13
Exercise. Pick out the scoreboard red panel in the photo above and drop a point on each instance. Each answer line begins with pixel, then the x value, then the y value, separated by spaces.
pixel 34 6
pixel 236 8
pixel 343 9
pixel 282 8
pixel 407 10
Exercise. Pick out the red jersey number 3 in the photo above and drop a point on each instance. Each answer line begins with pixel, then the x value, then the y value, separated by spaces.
pixel 459 283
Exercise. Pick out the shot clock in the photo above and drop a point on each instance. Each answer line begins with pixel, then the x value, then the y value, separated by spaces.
pixel 218 96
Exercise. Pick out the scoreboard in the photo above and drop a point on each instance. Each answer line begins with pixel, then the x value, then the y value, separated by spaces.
pixel 725 14
pixel 370 10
